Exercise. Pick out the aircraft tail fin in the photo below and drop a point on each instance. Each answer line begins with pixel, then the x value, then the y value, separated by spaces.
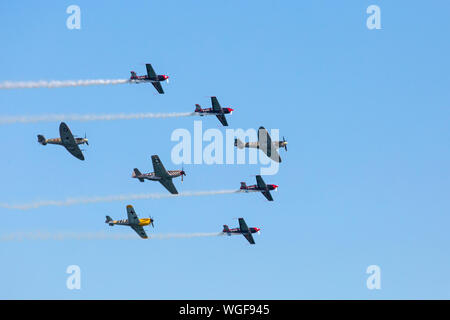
pixel 137 174
pixel 133 75
pixel 225 228
pixel 238 143
pixel 243 185
pixel 198 108
pixel 108 220
pixel 41 139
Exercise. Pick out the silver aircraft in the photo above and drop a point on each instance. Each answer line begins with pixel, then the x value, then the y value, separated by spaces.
pixel 264 143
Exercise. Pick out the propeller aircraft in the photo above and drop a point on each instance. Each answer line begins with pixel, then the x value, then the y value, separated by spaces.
pixel 67 140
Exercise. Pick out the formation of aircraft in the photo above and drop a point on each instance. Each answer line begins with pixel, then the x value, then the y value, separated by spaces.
pixel 260 186
pixel 160 174
pixel 243 230
pixel 216 110
pixel 71 143
pixel 133 221
pixel 152 77
pixel 265 144
pixel 67 140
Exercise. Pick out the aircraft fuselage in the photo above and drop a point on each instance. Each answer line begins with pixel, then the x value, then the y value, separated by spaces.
pixel 139 79
pixel 154 177
pixel 237 231
pixel 255 188
pixel 124 222
pixel 211 111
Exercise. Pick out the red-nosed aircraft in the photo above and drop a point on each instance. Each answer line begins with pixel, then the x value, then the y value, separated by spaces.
pixel 243 229
pixel 261 186
pixel 150 77
pixel 216 110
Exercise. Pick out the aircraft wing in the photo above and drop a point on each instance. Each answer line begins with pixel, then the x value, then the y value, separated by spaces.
pixel 158 87
pixel 150 72
pixel 140 231
pixel 242 225
pixel 68 141
pixel 267 195
pixel 266 145
pixel 222 119
pixel 260 182
pixel 132 216
pixel 249 237
pixel 158 167
pixel 215 104
pixel 168 184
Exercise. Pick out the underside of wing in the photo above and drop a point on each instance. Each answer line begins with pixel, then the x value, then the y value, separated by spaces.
pixel 158 167
pixel 260 182
pixel 267 195
pixel 75 151
pixel 140 231
pixel 215 104
pixel 222 119
pixel 249 237
pixel 265 142
pixel 158 87
pixel 242 225
pixel 132 216
pixel 150 72
pixel 68 141
pixel 168 184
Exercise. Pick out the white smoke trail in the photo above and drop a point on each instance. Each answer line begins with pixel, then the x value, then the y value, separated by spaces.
pixel 89 117
pixel 59 84
pixel 126 197
pixel 101 235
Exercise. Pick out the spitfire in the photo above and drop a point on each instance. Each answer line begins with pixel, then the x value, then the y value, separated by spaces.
pixel 161 174
pixel 261 186
pixel 67 140
pixel 133 221
pixel 216 110
pixel 151 77
pixel 243 229
pixel 265 144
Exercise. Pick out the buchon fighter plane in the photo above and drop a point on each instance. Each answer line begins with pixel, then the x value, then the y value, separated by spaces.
pixel 216 110
pixel 243 229
pixel 133 221
pixel 265 144
pixel 152 77
pixel 261 186
pixel 67 140
pixel 161 174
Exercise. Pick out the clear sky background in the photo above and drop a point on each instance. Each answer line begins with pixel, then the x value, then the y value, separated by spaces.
pixel 366 179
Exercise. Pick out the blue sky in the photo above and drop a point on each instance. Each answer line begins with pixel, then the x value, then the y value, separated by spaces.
pixel 365 181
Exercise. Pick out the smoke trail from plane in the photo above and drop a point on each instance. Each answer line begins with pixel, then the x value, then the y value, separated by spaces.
pixel 89 117
pixel 100 235
pixel 112 198
pixel 59 84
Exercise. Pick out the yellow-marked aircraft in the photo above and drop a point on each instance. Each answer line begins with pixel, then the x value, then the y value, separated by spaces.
pixel 133 221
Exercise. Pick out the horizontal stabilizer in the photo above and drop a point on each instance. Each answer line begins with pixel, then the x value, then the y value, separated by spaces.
pixel 41 139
